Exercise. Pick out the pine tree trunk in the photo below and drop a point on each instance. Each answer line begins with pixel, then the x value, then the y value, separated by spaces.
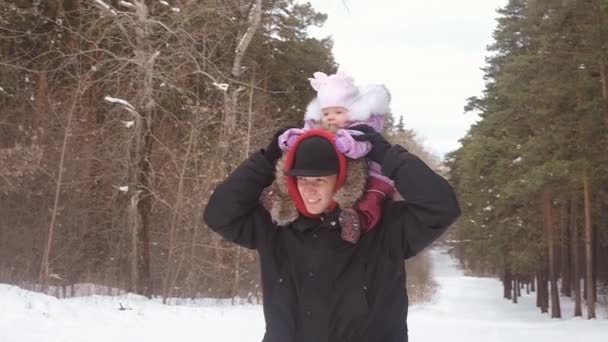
pixel 576 276
pixel 533 284
pixel 550 231
pixel 564 244
pixel 519 285
pixel 590 295
pixel 514 295
pixel 543 291
pixel 602 58
pixel 539 293
pixel 507 282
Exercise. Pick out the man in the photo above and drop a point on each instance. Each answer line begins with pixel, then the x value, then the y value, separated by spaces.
pixel 316 286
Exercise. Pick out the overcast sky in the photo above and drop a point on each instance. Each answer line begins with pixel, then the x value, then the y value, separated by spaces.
pixel 428 52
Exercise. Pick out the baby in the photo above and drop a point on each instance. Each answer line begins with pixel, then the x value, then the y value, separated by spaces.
pixel 339 105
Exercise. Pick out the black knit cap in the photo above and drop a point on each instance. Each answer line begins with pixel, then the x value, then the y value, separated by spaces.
pixel 315 157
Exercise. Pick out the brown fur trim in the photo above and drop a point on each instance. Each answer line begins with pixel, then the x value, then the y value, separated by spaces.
pixel 356 181
pixel 283 210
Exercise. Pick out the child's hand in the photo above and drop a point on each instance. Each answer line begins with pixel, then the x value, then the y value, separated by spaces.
pixel 379 145
pixel 273 152
pixel 347 145
pixel 344 141
pixel 289 137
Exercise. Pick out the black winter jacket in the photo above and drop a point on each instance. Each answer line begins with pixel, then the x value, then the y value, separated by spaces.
pixel 317 287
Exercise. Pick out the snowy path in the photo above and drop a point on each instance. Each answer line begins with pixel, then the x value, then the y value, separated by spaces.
pixel 464 309
pixel 472 309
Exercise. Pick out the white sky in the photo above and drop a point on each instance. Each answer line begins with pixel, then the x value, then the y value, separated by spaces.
pixel 428 52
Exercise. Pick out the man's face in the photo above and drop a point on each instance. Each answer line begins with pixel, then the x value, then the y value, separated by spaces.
pixel 317 192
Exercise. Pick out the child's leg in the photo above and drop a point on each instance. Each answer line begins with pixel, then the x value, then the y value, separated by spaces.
pixel 366 213
pixel 350 222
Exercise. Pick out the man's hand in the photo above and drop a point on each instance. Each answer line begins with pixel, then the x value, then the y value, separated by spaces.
pixel 273 151
pixel 379 145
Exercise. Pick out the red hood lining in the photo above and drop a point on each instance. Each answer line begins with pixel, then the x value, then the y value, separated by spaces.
pixel 292 185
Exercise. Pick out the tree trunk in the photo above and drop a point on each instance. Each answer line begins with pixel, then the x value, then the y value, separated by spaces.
pixel 44 264
pixel 228 130
pixel 172 272
pixel 550 231
pixel 564 244
pixel 590 295
pixel 519 285
pixel 543 291
pixel 574 249
pixel 515 286
pixel 539 291
pixel 141 150
pixel 132 227
pixel 602 58
pixel 507 282
pixel 254 18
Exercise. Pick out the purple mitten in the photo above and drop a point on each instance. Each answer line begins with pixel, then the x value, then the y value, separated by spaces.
pixel 350 147
pixel 289 137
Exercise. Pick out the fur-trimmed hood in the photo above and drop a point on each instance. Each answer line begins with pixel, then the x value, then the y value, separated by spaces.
pixel 282 205
pixel 372 99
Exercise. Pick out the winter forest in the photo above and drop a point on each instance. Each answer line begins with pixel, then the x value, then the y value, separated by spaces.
pixel 532 175
pixel 118 119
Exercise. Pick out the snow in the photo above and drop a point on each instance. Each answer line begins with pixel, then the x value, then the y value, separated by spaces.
pixel 128 124
pixel 105 6
pixel 175 9
pixel 472 309
pixel 126 4
pixel 120 101
pixel 464 309
pixel 123 188
pixel 164 2
pixel 221 86
pixel 517 160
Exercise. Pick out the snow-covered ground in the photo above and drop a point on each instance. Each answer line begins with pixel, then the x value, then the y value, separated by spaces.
pixel 472 309
pixel 464 309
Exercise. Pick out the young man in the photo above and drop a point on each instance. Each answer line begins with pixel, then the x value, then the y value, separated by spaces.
pixel 316 286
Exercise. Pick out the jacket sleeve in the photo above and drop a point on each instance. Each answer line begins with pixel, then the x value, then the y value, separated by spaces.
pixel 234 209
pixel 430 204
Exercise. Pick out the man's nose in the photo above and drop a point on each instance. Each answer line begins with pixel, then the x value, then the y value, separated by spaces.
pixel 309 190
